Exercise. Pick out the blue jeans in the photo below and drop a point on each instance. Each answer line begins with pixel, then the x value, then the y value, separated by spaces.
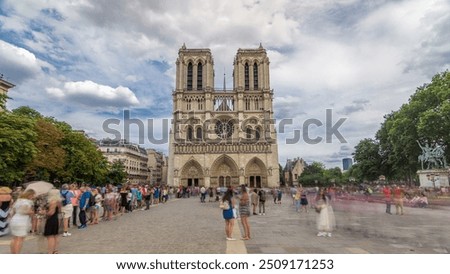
pixel 297 205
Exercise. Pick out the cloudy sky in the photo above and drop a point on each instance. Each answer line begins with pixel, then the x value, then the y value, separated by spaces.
pixel 86 61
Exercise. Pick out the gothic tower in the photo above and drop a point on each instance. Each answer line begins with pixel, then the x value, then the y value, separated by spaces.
pixel 223 137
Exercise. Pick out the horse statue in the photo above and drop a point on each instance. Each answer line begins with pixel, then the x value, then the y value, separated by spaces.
pixel 434 157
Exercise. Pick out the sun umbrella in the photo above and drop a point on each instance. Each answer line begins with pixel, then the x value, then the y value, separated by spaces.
pixel 40 187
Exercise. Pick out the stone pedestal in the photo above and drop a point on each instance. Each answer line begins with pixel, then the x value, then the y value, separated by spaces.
pixel 440 181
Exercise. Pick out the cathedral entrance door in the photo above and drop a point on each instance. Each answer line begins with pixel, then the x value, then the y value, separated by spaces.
pixel 224 181
pixel 255 181
pixel 192 181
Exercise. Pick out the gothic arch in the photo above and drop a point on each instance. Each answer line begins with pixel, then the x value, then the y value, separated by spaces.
pixel 189 75
pixel 192 174
pixel 224 172
pixel 256 173
pixel 200 75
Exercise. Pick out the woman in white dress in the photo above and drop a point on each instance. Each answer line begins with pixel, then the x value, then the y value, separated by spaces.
pixel 325 219
pixel 21 221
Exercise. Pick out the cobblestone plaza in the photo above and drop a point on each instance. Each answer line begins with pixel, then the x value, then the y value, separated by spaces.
pixel 188 226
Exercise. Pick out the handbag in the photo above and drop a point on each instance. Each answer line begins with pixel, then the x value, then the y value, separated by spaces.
pixel 225 205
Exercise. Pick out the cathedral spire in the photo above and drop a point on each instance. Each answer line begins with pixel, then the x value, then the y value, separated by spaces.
pixel 224 81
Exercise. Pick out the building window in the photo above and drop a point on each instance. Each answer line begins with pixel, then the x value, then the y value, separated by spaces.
pixel 247 77
pixel 200 104
pixel 199 133
pixel 189 134
pixel 199 76
pixel 249 133
pixel 257 134
pixel 188 104
pixel 189 76
pixel 255 76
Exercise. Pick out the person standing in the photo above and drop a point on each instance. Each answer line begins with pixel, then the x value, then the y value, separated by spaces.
pixel 51 230
pixel 304 200
pixel 5 206
pixel 255 199
pixel 279 195
pixel 211 194
pixel 244 212
pixel 67 208
pixel 387 198
pixel 262 201
pixel 110 199
pixel 398 200
pixel 228 214
pixel 21 221
pixel 75 202
pixel 297 197
pixel 146 196
pixel 84 205
pixel 274 195
pixel 202 194
pixel 165 194
pixel 325 218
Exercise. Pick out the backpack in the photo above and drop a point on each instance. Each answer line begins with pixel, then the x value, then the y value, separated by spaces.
pixel 64 201
pixel 92 200
pixel 262 196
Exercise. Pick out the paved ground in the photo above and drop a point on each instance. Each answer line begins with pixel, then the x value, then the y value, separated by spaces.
pixel 187 226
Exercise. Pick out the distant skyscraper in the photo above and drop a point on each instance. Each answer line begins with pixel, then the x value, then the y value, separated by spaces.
pixel 347 163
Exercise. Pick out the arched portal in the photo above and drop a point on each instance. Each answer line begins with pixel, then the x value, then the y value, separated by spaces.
pixel 224 172
pixel 192 174
pixel 256 173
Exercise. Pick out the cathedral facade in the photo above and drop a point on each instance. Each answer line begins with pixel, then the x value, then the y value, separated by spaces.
pixel 223 137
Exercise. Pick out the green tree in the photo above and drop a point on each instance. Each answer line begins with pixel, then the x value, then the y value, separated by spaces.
pixel 49 160
pixel 281 175
pixel 313 173
pixel 17 147
pixel 27 112
pixel 116 172
pixel 333 175
pixel 3 99
pixel 426 117
pixel 83 162
pixel 368 160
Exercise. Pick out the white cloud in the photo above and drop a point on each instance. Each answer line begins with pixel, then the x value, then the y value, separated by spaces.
pixel 93 94
pixel 360 58
pixel 17 63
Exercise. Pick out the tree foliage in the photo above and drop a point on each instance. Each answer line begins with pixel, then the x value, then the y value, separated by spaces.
pixel 3 99
pixel 17 147
pixel 34 147
pixel 317 174
pixel 426 117
pixel 116 173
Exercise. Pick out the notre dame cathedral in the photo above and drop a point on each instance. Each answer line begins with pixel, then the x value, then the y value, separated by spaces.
pixel 223 137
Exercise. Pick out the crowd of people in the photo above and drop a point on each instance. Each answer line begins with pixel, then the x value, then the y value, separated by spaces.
pixel 56 212
pixel 243 202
